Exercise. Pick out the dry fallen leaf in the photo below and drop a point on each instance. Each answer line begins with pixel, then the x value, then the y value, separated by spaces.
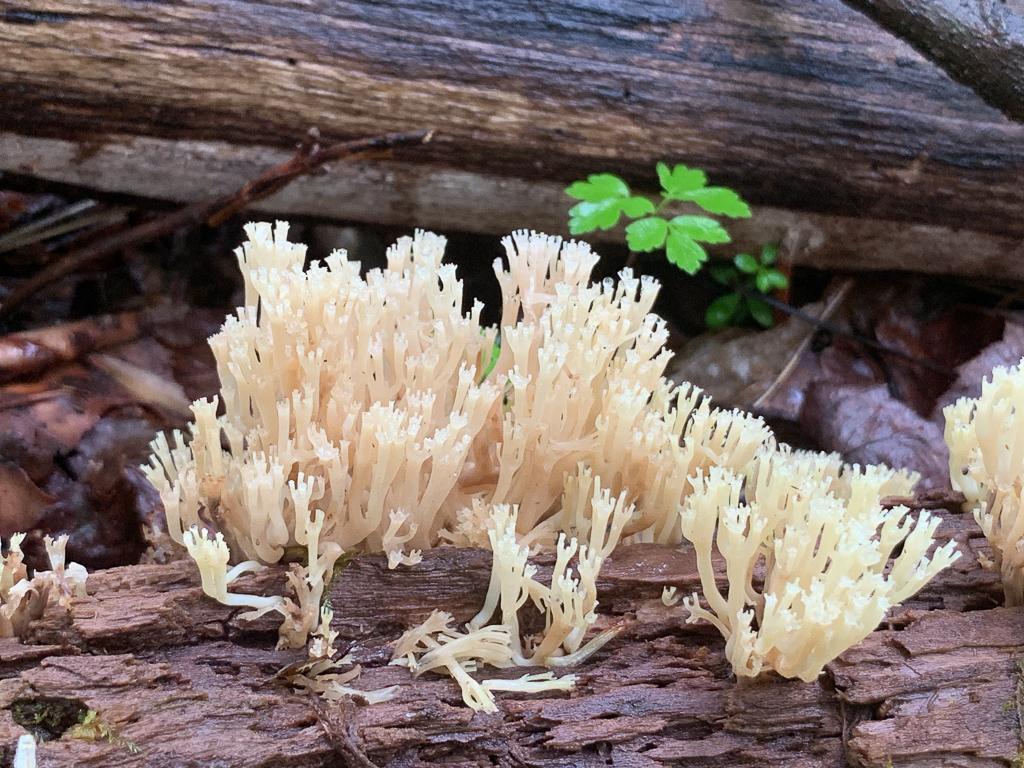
pixel 868 426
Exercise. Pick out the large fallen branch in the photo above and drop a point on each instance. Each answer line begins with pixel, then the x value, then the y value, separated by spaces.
pixel 980 43
pixel 804 104
pixel 175 679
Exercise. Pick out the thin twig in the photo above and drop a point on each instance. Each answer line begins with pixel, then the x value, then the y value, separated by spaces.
pixel 832 328
pixel 787 370
pixel 309 158
pixel 933 498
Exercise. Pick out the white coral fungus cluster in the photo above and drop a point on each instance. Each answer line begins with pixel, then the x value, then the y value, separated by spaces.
pixel 373 413
pixel 356 414
pixel 23 599
pixel 832 559
pixel 985 436
pixel 321 673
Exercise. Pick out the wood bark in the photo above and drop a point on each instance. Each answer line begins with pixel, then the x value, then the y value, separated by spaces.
pixel 175 680
pixel 980 43
pixel 800 104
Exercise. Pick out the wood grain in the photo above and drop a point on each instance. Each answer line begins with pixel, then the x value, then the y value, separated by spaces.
pixel 978 42
pixel 182 682
pixel 801 104
pixel 403 194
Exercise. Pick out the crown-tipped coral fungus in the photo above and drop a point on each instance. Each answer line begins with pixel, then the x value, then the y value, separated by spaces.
pixel 834 563
pixel 23 599
pixel 985 436
pixel 373 414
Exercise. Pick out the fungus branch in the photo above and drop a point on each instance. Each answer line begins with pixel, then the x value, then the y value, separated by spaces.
pixel 834 559
pixel 23 599
pixel 985 436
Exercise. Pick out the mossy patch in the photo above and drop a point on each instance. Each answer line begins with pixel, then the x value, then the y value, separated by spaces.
pixel 48 717
pixel 92 727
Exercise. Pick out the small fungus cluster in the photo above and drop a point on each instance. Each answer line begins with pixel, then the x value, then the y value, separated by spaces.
pixel 372 413
pixel 24 598
pixel 985 436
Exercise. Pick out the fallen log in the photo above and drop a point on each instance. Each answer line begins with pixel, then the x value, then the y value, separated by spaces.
pixel 980 43
pixel 444 199
pixel 172 679
pixel 801 105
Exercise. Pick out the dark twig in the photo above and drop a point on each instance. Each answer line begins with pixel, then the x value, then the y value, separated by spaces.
pixel 933 498
pixel 309 158
pixel 827 311
pixel 837 330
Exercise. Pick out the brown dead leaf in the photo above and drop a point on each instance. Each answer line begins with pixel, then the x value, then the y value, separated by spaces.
pixel 22 503
pixel 736 366
pixel 1007 351
pixel 946 339
pixel 868 426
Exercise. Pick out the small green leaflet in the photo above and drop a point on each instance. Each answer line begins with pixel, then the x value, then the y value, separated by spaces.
pixel 646 234
pixel 680 180
pixel 598 187
pixel 604 198
pixel 690 184
pixel 701 228
pixel 770 279
pixel 720 200
pixel 722 310
pixel 746 263
pixel 683 251
pixel 761 312
pixel 685 233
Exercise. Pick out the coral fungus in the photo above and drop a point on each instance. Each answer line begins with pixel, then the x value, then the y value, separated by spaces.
pixel 985 436
pixel 372 413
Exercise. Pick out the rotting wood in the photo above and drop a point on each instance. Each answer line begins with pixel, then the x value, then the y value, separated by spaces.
pixel 432 196
pixel 801 104
pixel 176 679
pixel 309 158
pixel 980 43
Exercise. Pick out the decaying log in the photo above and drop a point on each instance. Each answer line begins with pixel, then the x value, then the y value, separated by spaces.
pixel 801 104
pixel 174 679
pixel 433 196
pixel 979 42
pixel 309 158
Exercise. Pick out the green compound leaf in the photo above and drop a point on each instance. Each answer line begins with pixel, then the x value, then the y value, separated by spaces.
pixel 761 312
pixel 769 252
pixel 722 310
pixel 720 200
pixel 700 228
pixel 746 263
pixel 646 234
pixel 680 180
pixel 683 251
pixel 598 187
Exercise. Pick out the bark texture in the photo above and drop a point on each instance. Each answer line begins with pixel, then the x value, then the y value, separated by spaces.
pixel 801 104
pixel 176 680
pixel 980 43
